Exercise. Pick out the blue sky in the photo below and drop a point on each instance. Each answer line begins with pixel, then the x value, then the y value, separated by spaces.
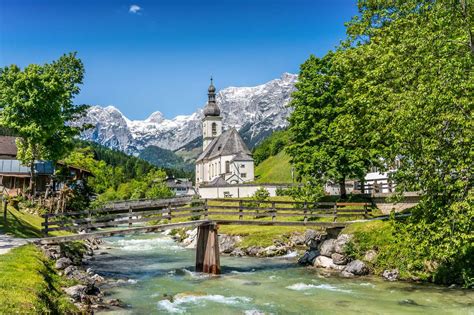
pixel 144 56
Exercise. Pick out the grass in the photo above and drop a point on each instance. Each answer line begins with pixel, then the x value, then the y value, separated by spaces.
pixel 30 285
pixel 275 169
pixel 23 224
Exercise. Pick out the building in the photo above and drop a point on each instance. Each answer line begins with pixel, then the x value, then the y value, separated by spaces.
pixel 225 157
pixel 15 177
pixel 180 186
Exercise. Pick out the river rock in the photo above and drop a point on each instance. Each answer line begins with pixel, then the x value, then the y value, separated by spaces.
pixel 308 257
pixel 346 274
pixel 341 243
pixel 75 292
pixel 227 243
pixel 69 270
pixel 297 239
pixel 313 238
pixel 370 255
pixel 323 262
pixel 62 263
pixel 357 267
pixel 327 248
pixel 190 239
pixel 339 259
pixel 238 252
pixel 391 275
pixel 254 250
pixel 273 250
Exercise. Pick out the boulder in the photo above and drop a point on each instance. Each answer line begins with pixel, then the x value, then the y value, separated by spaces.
pixel 357 267
pixel 308 257
pixel 191 238
pixel 391 275
pixel 326 262
pixel 370 255
pixel 254 250
pixel 341 242
pixel 339 259
pixel 238 252
pixel 297 239
pixel 69 270
pixel 62 263
pixel 313 238
pixel 346 274
pixel 327 248
pixel 227 243
pixel 273 250
pixel 75 292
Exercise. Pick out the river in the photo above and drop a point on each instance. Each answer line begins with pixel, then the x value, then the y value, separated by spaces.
pixel 156 268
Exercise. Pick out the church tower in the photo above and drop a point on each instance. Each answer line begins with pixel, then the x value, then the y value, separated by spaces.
pixel 212 121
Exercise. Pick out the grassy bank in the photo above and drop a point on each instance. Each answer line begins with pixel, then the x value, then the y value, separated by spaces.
pixel 30 285
pixel 23 224
pixel 275 169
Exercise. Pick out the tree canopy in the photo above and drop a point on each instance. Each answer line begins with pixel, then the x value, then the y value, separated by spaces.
pixel 36 104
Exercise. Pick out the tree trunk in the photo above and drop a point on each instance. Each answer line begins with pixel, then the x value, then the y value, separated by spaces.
pixel 32 179
pixel 342 187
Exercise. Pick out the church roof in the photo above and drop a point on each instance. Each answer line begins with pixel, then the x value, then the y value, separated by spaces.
pixel 228 143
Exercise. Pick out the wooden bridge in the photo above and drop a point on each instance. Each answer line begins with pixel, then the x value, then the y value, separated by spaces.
pixel 119 218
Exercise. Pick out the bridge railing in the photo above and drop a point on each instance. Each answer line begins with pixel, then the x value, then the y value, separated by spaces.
pixel 181 209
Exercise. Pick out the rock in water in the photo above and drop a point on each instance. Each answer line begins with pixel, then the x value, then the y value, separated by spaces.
pixel 391 275
pixel 357 267
pixel 339 259
pixel 308 257
pixel 227 243
pixel 341 243
pixel 324 262
pixel 327 248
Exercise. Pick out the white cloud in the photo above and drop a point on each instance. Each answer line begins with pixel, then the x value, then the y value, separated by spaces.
pixel 135 9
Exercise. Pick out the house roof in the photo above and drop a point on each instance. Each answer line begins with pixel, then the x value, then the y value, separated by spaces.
pixel 242 157
pixel 228 143
pixel 8 146
pixel 217 182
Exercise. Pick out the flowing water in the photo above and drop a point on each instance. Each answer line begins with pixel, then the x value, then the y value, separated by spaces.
pixel 159 279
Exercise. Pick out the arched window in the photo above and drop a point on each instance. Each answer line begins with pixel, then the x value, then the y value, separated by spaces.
pixel 227 166
pixel 214 129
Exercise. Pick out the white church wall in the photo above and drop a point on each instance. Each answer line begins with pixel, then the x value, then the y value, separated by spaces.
pixel 236 191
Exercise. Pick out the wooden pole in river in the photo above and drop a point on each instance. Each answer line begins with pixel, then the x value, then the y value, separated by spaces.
pixel 207 249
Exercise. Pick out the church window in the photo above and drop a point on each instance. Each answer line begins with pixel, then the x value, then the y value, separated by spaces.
pixel 214 129
pixel 242 165
pixel 227 166
pixel 243 175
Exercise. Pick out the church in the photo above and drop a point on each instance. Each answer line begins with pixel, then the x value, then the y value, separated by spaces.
pixel 225 158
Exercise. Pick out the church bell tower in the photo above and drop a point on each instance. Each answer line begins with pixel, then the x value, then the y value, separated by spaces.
pixel 212 121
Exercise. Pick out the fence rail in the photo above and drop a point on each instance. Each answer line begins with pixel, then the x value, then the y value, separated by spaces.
pixel 222 210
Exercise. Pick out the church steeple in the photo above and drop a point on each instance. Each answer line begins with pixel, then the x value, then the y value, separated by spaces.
pixel 212 121
pixel 211 108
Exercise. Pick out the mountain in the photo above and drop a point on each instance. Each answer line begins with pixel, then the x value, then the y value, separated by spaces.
pixel 165 158
pixel 254 111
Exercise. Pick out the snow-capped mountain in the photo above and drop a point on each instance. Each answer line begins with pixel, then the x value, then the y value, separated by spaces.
pixel 254 111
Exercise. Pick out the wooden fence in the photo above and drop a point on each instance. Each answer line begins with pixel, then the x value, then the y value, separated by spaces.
pixel 227 211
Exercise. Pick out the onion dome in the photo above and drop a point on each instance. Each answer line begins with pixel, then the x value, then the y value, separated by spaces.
pixel 211 108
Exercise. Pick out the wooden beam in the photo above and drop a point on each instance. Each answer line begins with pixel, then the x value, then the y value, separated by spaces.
pixel 207 249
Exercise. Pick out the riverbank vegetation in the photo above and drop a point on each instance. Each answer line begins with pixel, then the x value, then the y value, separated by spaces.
pixel 397 95
pixel 30 285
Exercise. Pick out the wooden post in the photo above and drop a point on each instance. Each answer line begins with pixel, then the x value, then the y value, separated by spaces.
pixel 89 223
pixel 45 229
pixel 335 211
pixel 365 211
pixel 207 249
pixel 305 207
pixel 273 211
pixel 206 209
pixel 130 212
pixel 169 212
pixel 5 210
pixel 241 210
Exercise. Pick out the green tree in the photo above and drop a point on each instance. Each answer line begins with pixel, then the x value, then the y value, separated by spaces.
pixel 327 136
pixel 37 105
pixel 409 67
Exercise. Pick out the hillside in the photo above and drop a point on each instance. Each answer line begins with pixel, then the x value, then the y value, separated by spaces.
pixel 275 169
pixel 165 158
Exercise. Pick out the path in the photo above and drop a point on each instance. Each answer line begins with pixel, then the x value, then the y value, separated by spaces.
pixel 8 242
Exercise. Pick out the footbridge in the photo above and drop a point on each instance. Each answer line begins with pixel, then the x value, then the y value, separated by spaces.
pixel 144 216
